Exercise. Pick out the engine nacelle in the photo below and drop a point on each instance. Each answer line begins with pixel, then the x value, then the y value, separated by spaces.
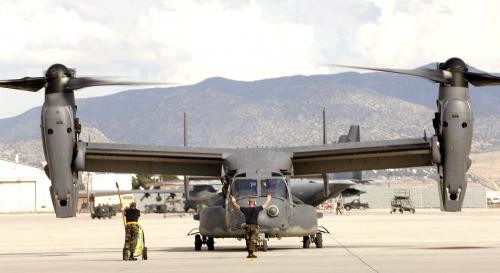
pixel 454 147
pixel 59 143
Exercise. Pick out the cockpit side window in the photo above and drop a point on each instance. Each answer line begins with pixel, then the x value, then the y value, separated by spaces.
pixel 276 187
pixel 244 188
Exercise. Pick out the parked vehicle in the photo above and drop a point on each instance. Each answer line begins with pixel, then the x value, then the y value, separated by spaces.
pixel 356 204
pixel 103 211
pixel 493 201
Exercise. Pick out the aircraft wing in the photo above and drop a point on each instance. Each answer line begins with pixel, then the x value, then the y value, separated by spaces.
pixel 114 192
pixel 175 160
pixel 354 156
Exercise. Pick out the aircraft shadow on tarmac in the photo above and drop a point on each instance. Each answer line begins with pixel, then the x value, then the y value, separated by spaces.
pixel 278 248
pixel 220 249
pixel 239 249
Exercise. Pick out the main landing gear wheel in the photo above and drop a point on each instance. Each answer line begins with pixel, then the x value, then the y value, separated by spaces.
pixel 197 242
pixel 210 243
pixel 306 241
pixel 318 240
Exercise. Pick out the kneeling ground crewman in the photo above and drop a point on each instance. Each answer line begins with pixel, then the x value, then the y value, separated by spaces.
pixel 132 215
pixel 251 229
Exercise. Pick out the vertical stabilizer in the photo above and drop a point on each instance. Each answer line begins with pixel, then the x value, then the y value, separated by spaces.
pixel 353 136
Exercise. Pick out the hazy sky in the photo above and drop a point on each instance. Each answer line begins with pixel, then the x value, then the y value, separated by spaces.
pixel 187 41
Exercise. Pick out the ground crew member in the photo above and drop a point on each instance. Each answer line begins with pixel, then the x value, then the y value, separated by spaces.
pixel 338 208
pixel 251 228
pixel 132 215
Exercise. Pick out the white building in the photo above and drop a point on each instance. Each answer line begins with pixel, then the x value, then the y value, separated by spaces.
pixel 107 182
pixel 23 189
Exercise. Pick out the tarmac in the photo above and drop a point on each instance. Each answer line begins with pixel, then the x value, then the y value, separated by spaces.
pixel 361 241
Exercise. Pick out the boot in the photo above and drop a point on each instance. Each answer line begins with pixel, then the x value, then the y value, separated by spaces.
pixel 251 255
pixel 126 254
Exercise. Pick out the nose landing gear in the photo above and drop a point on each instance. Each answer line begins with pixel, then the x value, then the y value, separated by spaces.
pixel 317 238
pixel 200 240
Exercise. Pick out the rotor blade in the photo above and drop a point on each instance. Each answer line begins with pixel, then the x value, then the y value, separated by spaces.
pixel 482 79
pixel 82 82
pixel 27 83
pixel 430 74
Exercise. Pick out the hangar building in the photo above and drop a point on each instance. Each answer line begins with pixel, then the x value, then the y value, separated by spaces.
pixel 23 189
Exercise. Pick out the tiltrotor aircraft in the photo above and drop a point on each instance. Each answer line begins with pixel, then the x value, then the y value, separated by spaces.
pixel 258 171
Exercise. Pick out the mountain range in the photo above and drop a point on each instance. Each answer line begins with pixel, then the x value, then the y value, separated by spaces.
pixel 282 111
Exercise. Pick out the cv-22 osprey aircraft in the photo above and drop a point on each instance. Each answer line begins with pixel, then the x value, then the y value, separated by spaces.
pixel 258 171
pixel 302 190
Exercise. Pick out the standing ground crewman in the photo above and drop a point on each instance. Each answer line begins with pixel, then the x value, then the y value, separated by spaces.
pixel 132 215
pixel 251 229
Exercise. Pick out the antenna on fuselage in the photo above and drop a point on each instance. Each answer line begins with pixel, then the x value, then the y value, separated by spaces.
pixel 186 178
pixel 326 189
pixel 185 130
pixel 324 125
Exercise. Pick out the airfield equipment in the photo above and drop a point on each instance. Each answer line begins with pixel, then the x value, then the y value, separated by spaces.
pixel 257 171
pixel 155 208
pixel 402 202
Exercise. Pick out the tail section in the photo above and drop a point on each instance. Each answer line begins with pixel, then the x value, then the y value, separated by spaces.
pixel 353 136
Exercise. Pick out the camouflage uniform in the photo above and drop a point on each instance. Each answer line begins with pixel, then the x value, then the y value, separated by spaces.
pixel 252 237
pixel 251 229
pixel 132 228
pixel 131 235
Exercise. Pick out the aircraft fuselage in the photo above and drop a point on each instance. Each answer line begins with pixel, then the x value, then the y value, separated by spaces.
pixel 283 218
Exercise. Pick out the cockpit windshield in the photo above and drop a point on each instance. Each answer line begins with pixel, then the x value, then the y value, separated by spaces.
pixel 276 187
pixel 244 188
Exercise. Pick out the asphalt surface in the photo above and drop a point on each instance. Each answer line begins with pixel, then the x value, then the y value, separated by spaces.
pixel 362 241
